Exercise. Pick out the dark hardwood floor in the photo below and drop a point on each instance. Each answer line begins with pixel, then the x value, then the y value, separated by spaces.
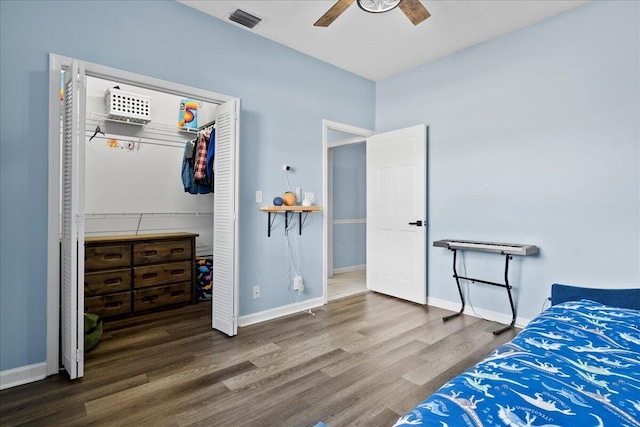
pixel 362 360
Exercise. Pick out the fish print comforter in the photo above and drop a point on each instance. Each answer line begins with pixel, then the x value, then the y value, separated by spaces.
pixel 576 364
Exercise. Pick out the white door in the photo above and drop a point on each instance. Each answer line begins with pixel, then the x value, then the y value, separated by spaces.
pixel 397 213
pixel 224 298
pixel 72 262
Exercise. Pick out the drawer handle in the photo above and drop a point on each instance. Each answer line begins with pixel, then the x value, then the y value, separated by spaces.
pixel 113 304
pixel 149 275
pixel 150 298
pixel 177 272
pixel 177 250
pixel 150 253
pixel 112 256
pixel 177 293
pixel 113 281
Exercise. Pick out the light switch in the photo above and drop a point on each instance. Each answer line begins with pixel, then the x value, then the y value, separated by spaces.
pixel 258 196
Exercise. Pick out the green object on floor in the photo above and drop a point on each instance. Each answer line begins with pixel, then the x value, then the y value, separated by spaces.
pixel 92 330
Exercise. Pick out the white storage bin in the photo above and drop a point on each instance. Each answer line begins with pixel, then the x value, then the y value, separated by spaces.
pixel 128 107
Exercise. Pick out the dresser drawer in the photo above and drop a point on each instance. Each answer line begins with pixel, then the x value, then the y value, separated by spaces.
pixel 152 275
pixel 156 252
pixel 103 257
pixel 108 305
pixel 104 282
pixel 159 296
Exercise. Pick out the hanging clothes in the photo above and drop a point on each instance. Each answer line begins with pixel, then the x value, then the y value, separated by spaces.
pixel 200 171
pixel 211 152
pixel 189 182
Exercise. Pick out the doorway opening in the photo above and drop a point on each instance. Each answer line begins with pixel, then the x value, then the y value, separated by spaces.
pixel 344 229
pixel 348 203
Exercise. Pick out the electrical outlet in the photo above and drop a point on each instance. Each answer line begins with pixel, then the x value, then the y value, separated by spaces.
pixel 310 197
pixel 256 292
pixel 297 284
pixel 258 196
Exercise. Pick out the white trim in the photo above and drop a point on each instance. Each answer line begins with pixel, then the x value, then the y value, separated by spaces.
pixel 327 201
pixel 343 127
pixel 327 161
pixel 275 313
pixel 349 221
pixel 348 141
pixel 23 375
pixel 56 63
pixel 493 316
pixel 329 213
pixel 350 269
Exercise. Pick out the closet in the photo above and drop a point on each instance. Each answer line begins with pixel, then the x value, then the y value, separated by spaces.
pixel 133 171
pixel 119 178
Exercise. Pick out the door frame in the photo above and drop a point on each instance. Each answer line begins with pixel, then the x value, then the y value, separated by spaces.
pixel 360 137
pixel 57 63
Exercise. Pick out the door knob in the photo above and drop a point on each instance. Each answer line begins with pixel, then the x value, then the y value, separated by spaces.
pixel 417 223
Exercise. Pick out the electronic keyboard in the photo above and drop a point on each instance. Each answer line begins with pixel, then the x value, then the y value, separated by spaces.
pixel 500 248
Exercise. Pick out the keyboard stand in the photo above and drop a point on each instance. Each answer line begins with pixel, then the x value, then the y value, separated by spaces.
pixel 473 280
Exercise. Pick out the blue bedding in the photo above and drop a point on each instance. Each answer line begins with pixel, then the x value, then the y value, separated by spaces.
pixel 576 364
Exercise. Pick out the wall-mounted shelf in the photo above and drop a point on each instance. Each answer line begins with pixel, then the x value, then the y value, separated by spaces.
pixel 288 209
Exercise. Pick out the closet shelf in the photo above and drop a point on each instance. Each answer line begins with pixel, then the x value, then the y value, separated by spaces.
pixel 104 117
pixel 287 209
pixel 157 126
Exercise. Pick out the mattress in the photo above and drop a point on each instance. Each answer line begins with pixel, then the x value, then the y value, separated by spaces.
pixel 576 364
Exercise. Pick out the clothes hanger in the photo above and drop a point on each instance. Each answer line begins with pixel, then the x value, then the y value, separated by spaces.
pixel 98 130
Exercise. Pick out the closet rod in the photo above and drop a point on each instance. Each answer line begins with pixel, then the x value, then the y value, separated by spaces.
pixel 211 123
pixel 176 144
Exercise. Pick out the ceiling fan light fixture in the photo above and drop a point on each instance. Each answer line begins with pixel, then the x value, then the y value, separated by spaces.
pixel 378 6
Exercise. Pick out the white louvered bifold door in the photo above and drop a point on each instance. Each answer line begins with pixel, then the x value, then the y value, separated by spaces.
pixel 72 263
pixel 225 226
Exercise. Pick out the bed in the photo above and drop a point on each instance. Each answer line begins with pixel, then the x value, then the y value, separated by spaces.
pixel 575 364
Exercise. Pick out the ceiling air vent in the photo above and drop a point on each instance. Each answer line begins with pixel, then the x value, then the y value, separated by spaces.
pixel 244 18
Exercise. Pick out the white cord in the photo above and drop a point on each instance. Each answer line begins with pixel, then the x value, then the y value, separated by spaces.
pixel 464 267
pixel 286 175
pixel 293 261
pixel 296 262
pixel 288 270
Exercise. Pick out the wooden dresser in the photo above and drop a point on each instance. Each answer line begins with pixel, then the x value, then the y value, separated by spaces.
pixel 132 274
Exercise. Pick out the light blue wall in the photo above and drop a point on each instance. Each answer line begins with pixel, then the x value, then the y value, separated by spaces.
pixel 534 138
pixel 349 203
pixel 285 96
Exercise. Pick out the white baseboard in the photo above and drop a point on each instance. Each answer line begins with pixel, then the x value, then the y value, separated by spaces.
pixel 274 313
pixel 349 269
pixel 23 375
pixel 494 316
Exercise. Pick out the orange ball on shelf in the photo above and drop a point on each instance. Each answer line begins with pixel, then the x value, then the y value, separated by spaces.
pixel 289 199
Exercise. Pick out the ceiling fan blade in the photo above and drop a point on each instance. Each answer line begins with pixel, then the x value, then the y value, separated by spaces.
pixel 414 10
pixel 335 11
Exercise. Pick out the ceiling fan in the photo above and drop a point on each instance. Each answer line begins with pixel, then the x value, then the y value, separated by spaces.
pixel 414 10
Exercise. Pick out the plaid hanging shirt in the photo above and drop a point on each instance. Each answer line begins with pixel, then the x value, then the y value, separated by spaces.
pixel 201 159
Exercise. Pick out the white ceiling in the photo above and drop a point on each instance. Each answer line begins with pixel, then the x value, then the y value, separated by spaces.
pixel 377 46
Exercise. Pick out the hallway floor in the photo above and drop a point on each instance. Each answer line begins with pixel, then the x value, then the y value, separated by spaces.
pixel 347 284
